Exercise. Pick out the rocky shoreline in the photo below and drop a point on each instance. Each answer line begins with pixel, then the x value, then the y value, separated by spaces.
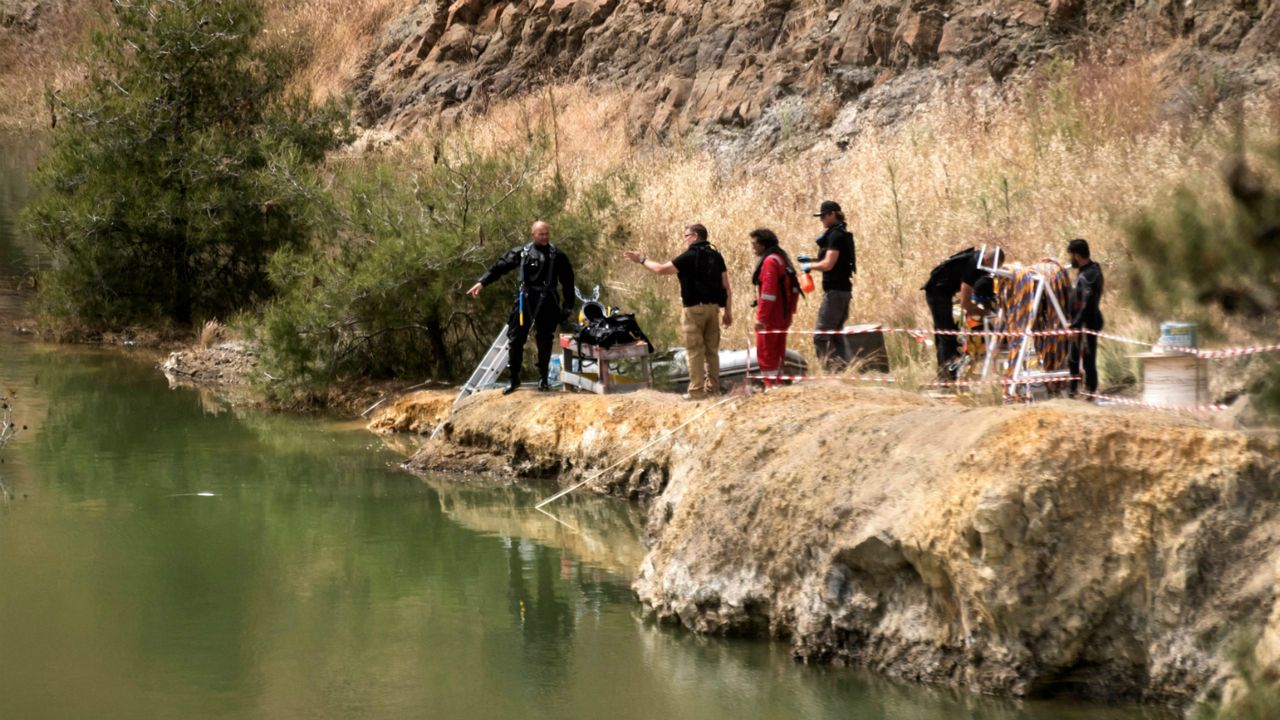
pixel 1052 549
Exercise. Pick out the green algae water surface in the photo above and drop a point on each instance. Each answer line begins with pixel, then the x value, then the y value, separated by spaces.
pixel 163 556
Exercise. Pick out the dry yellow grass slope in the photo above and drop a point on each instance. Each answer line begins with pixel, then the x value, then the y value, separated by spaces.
pixel 329 38
pixel 32 61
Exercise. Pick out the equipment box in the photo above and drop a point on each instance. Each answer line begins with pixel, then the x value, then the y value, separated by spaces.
pixel 595 369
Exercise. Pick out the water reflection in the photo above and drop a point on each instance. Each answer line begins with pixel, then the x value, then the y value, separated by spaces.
pixel 18 157
pixel 601 532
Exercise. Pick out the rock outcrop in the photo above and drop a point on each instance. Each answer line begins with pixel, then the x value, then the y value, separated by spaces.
pixel 747 64
pixel 1057 548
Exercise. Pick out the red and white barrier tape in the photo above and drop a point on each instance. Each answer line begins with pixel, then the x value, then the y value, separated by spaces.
pixel 890 381
pixel 921 333
pixel 1000 381
pixel 808 378
pixel 1111 399
pixel 1238 351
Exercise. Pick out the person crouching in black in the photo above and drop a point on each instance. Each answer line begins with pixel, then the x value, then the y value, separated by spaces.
pixel 1086 295
pixel 957 274
pixel 541 267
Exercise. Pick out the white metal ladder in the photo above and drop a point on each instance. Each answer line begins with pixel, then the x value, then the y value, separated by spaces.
pixel 489 368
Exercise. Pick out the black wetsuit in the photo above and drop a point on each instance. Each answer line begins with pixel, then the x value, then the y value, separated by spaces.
pixel 544 267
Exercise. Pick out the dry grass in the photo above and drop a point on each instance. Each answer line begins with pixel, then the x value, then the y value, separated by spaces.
pixel 32 62
pixel 329 38
pixel 588 127
pixel 210 333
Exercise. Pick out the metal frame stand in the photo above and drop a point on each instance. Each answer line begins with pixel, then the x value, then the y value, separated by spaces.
pixel 1019 368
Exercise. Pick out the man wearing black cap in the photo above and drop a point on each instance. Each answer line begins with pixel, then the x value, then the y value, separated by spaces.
pixel 838 263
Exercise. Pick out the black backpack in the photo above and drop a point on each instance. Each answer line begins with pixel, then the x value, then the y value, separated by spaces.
pixel 612 330
pixel 708 281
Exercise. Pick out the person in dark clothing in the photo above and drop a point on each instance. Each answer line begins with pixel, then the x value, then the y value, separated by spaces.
pixel 1086 297
pixel 704 290
pixel 838 263
pixel 957 274
pixel 541 267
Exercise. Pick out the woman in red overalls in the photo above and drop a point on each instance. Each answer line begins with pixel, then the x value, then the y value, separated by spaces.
pixel 776 297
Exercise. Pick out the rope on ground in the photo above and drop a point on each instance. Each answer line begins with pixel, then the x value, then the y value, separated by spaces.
pixel 661 438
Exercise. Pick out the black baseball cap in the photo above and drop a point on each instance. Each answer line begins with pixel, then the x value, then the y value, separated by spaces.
pixel 827 206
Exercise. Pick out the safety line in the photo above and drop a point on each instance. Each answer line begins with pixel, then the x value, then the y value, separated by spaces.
pixel 664 436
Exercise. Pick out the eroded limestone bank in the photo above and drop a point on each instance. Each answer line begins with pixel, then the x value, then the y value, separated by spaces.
pixel 1060 547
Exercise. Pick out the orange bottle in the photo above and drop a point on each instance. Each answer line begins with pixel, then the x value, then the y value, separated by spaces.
pixel 806 283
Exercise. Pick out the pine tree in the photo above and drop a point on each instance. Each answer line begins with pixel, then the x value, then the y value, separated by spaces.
pixel 178 169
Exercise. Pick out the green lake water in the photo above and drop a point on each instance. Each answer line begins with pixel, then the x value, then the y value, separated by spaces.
pixel 164 556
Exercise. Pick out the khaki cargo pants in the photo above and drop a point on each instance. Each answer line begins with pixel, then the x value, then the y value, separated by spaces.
pixel 702 347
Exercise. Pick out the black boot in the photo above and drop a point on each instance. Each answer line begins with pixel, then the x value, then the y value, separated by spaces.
pixel 544 385
pixel 511 388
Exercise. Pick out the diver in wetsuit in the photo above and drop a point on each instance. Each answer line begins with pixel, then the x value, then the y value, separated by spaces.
pixel 541 267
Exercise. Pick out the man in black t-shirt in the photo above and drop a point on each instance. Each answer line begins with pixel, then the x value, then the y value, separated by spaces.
pixel 838 263
pixel 704 289
pixel 957 274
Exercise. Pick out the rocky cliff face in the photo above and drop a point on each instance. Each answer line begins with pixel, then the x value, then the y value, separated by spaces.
pixel 1047 549
pixel 759 64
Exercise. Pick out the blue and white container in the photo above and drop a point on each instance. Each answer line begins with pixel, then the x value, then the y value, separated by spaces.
pixel 1175 336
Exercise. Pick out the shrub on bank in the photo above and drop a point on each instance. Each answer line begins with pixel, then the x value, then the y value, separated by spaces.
pixel 177 169
pixel 384 296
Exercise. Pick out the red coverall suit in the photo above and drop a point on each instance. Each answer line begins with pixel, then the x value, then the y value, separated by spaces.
pixel 775 306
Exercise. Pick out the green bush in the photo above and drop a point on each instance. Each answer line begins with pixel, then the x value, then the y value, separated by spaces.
pixel 1218 263
pixel 178 170
pixel 385 296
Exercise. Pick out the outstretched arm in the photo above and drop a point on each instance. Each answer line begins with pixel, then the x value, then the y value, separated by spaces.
pixel 509 261
pixel 659 268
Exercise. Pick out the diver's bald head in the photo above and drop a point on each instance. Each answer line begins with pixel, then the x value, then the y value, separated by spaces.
pixel 541 232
